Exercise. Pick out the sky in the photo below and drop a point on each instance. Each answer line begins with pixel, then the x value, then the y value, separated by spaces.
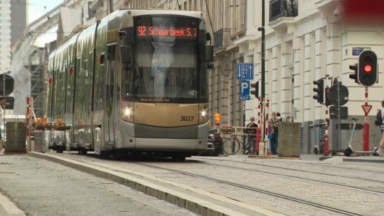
pixel 38 8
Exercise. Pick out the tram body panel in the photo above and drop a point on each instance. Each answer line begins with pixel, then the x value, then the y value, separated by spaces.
pixel 84 88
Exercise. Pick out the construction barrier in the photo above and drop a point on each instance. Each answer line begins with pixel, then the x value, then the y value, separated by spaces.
pixel 238 131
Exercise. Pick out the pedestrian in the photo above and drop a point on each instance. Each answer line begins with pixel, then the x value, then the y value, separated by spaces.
pixel 2 103
pixel 381 113
pixel 279 116
pixel 251 130
pixel 274 138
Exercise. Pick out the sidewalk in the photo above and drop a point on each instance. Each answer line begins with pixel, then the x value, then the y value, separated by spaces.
pixel 8 208
pixel 44 188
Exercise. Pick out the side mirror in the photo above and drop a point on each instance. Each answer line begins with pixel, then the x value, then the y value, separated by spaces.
pixel 208 53
pixel 126 54
pixel 122 35
pixel 209 66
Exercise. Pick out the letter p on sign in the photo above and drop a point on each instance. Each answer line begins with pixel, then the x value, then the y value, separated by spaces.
pixel 244 87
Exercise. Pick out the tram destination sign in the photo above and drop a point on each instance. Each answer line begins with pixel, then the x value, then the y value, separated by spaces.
pixel 181 32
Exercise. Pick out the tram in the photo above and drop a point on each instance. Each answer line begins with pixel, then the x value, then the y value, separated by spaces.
pixel 134 82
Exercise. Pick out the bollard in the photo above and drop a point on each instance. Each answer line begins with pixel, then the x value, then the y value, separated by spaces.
pixel 326 144
pixel 366 136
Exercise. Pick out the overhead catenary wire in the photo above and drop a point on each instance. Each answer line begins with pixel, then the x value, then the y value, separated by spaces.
pixel 210 21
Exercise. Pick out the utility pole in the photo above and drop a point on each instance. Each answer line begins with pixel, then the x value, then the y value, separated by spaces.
pixel 263 99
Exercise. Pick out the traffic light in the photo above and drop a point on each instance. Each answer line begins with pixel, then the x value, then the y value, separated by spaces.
pixel 319 90
pixel 367 72
pixel 8 87
pixel 256 89
pixel 355 68
pixel 327 102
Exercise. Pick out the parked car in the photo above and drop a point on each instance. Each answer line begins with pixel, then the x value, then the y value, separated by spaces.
pixel 215 144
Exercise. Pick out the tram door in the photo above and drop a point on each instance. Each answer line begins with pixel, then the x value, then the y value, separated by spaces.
pixel 110 93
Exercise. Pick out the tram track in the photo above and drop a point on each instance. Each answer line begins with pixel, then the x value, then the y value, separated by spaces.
pixel 309 180
pixel 298 170
pixel 288 198
pixel 258 190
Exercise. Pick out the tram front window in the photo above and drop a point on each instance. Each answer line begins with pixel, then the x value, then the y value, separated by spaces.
pixel 166 66
pixel 166 71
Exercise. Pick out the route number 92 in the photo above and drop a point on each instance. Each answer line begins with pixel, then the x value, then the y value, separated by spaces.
pixel 186 118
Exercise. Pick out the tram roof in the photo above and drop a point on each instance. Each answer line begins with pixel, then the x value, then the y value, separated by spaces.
pixel 196 14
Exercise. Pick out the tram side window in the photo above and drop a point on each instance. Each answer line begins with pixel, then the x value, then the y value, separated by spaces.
pixel 127 82
pixel 111 53
pixel 111 56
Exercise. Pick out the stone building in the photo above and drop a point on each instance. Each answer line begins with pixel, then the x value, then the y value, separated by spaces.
pixel 304 42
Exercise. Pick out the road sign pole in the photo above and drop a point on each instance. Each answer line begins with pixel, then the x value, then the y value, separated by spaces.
pixel 366 124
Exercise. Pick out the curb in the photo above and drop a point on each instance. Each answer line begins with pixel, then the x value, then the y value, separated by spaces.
pixel 8 208
pixel 268 157
pixel 182 200
pixel 324 158
pixel 367 160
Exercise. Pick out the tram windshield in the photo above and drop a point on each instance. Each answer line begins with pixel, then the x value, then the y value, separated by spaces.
pixel 168 67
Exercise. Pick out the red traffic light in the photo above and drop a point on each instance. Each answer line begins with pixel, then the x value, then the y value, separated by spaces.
pixel 368 68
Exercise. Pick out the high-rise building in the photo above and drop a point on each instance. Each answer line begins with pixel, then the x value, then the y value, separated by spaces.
pixel 13 19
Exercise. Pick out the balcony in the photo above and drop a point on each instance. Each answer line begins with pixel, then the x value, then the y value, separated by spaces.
pixel 282 8
pixel 222 38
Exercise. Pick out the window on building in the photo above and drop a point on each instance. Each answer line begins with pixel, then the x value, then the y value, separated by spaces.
pixel 185 5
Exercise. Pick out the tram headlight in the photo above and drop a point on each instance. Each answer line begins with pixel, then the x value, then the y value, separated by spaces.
pixel 126 111
pixel 203 113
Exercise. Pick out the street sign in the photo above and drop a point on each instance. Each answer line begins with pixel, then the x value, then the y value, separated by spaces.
pixel 344 93
pixel 367 109
pixel 244 71
pixel 244 97
pixel 343 112
pixel 357 50
pixel 244 87
pixel 346 126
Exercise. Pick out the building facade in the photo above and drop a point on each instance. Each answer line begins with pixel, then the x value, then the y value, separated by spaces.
pixel 13 19
pixel 306 41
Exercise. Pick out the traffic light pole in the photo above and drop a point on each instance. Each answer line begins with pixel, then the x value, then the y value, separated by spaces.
pixel 337 147
pixel 326 135
pixel 366 125
pixel 263 99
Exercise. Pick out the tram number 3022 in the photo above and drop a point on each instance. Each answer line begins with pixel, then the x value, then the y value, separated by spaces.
pixel 186 118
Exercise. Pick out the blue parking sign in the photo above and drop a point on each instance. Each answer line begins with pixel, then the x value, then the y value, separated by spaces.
pixel 244 87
